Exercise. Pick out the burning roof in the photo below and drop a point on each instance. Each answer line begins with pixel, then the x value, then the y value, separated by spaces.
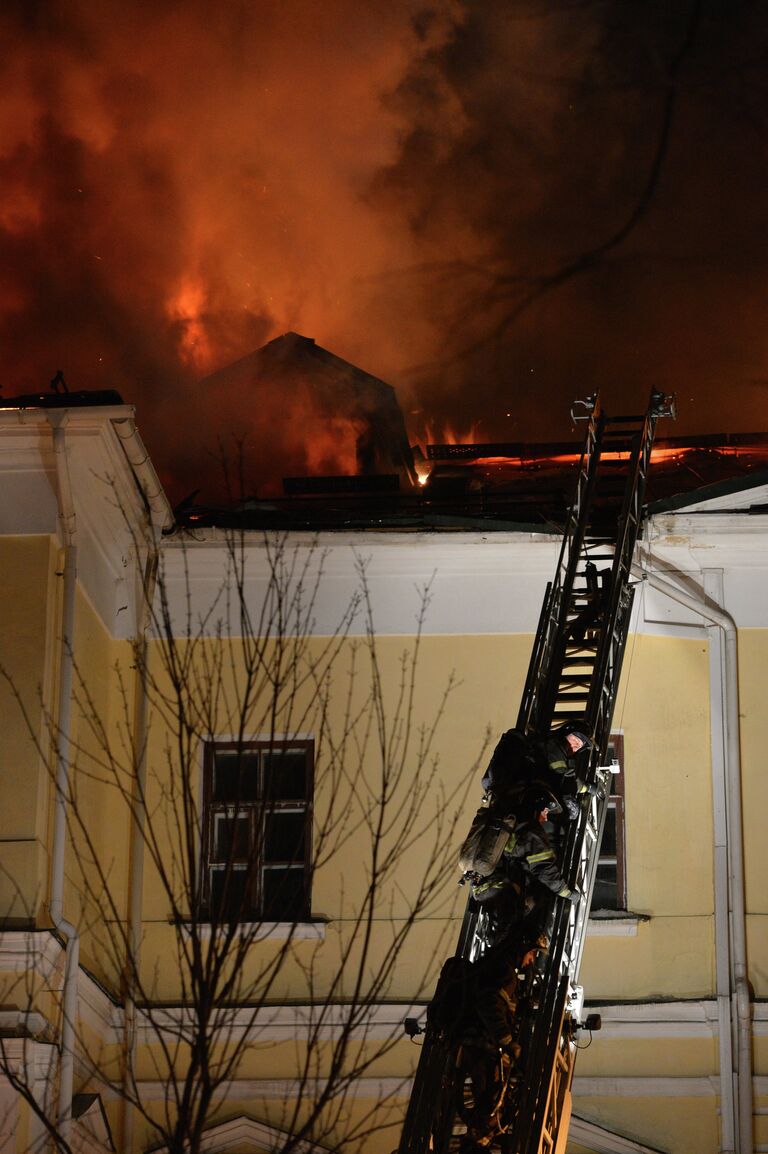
pixel 329 416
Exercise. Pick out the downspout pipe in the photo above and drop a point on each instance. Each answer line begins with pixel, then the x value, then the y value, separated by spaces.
pixel 67 528
pixel 720 617
pixel 159 516
pixel 136 849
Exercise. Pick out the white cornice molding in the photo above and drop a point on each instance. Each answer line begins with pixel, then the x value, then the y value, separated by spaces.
pixel 264 931
pixel 41 953
pixel 612 927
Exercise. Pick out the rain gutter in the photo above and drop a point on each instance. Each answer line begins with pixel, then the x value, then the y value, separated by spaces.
pixel 730 904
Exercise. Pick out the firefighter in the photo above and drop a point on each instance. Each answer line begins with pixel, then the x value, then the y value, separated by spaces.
pixel 519 891
pixel 520 763
pixel 529 849
pixel 520 759
pixel 584 625
pixel 489 1049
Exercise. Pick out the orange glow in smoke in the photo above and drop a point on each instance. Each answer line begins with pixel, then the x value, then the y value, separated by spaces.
pixel 187 309
pixel 331 445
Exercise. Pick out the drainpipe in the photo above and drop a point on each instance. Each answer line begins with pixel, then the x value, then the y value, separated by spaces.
pixel 136 848
pixel 735 862
pixel 159 514
pixel 66 929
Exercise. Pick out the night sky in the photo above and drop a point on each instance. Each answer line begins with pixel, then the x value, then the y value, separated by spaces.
pixel 494 206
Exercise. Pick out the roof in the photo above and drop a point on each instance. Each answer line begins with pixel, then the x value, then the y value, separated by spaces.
pixel 490 487
pixel 497 487
pixel 65 400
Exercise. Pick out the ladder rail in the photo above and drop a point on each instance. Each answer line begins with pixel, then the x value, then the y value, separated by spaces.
pixel 557 602
pixel 534 1131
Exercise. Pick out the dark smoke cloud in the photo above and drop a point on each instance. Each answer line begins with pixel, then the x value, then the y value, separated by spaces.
pixel 185 180
pixel 611 168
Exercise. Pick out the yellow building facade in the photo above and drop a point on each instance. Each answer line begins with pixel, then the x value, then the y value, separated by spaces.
pixel 367 676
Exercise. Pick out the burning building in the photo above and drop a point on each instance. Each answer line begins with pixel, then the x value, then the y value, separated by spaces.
pixel 108 605
pixel 315 414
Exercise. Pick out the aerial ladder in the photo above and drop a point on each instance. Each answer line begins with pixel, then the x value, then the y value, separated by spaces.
pixel 573 675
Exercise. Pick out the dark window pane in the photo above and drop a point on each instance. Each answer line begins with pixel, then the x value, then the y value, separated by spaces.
pixel 284 837
pixel 228 893
pixel 284 895
pixel 605 893
pixel 235 776
pixel 231 840
pixel 608 844
pixel 285 774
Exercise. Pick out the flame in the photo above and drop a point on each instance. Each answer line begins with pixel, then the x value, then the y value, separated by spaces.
pixel 188 309
pixel 449 435
pixel 675 455
pixel 423 470
pixel 432 433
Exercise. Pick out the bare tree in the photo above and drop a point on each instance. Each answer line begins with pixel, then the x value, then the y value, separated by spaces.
pixel 192 994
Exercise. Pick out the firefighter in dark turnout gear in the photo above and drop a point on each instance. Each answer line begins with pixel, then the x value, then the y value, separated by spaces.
pixel 489 1047
pixel 521 759
pixel 520 766
pixel 519 889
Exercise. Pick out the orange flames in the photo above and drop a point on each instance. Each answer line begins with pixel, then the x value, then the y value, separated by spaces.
pixel 187 308
pixel 446 434
pixel 678 454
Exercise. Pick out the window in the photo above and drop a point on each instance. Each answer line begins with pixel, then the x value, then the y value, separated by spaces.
pixel 610 892
pixel 257 830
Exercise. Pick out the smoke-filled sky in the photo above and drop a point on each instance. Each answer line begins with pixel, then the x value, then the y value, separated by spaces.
pixel 495 205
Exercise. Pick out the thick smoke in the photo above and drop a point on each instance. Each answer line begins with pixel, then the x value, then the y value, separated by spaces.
pixel 429 192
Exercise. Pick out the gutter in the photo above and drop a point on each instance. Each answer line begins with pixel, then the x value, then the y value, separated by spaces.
pixel 730 904
pixel 160 512
pixel 67 527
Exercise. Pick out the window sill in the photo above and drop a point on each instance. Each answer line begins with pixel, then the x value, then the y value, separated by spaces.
pixel 614 924
pixel 265 931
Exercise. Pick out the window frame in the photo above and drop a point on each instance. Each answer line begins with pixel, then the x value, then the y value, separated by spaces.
pixel 253 907
pixel 616 801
